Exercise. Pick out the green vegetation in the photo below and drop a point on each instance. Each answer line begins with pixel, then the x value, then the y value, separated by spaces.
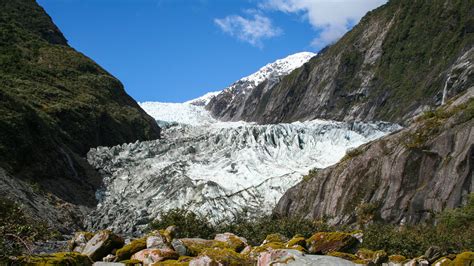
pixel 18 230
pixel 453 231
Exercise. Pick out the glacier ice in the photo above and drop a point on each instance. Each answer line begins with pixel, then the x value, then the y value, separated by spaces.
pixel 216 169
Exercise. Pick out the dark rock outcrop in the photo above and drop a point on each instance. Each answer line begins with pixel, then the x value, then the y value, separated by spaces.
pixel 55 105
pixel 402 178
pixel 401 58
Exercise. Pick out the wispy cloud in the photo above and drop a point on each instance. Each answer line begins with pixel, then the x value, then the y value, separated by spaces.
pixel 331 18
pixel 252 29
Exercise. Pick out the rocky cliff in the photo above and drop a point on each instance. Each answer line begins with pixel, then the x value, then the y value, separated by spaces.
pixel 404 177
pixel 400 59
pixel 55 105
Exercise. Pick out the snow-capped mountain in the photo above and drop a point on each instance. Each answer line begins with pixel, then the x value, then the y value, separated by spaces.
pixel 203 100
pixel 217 170
pixel 231 102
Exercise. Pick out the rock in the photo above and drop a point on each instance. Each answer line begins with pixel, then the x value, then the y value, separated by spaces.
pixel 218 256
pixel 232 241
pixel 61 258
pixel 325 242
pixel 156 241
pixel 103 263
pixel 102 244
pixel 194 246
pixel 275 238
pixel 365 254
pixel 416 262
pixel 109 258
pixel 297 258
pixel 347 256
pixel 179 247
pixel 296 241
pixel 433 253
pixel 397 258
pixel 465 258
pixel 132 262
pixel 79 241
pixel 170 232
pixel 128 250
pixel 380 257
pixel 443 262
pixel 152 255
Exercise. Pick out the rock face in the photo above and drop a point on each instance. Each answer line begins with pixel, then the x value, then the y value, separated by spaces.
pixel 55 105
pixel 232 103
pixel 216 170
pixel 400 59
pixel 401 178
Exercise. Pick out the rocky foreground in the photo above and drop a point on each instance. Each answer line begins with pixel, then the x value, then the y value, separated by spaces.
pixel 160 247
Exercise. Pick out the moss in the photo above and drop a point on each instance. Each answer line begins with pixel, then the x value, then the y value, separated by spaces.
pixel 226 256
pixel 62 258
pixel 365 254
pixel 397 258
pixel 196 246
pixel 131 262
pixel 443 261
pixel 133 247
pixel 343 255
pixel 464 259
pixel 324 242
pixel 275 238
pixel 296 240
pixel 268 246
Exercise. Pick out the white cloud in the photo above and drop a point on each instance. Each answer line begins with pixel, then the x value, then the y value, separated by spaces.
pixel 331 18
pixel 252 30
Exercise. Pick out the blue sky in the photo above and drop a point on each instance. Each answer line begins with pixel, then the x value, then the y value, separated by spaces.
pixel 176 50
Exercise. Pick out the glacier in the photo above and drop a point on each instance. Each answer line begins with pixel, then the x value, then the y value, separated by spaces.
pixel 218 169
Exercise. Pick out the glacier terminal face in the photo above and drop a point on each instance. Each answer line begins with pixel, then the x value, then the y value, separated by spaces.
pixel 216 169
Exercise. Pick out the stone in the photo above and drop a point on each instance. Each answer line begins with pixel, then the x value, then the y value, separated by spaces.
pixel 296 241
pixel 380 256
pixel 465 258
pixel 131 248
pixel 109 258
pixel 194 246
pixel 61 258
pixel 102 244
pixel 397 258
pixel 433 253
pixel 416 262
pixel 325 242
pixel 103 263
pixel 275 238
pixel 232 241
pixel 152 255
pixel 170 232
pixel 298 258
pixel 219 256
pixel 156 241
pixel 79 241
pixel 179 247
pixel 443 262
pixel 365 254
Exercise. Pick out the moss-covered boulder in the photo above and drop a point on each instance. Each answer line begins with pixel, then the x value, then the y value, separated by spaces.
pixel 221 256
pixel 397 258
pixel 443 261
pixel 232 241
pixel 297 240
pixel 347 256
pixel 102 244
pixel 131 248
pixel 62 258
pixel 153 255
pixel 194 246
pixel 380 256
pixel 79 241
pixel 182 261
pixel 365 254
pixel 131 262
pixel 325 242
pixel 275 238
pixel 464 259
